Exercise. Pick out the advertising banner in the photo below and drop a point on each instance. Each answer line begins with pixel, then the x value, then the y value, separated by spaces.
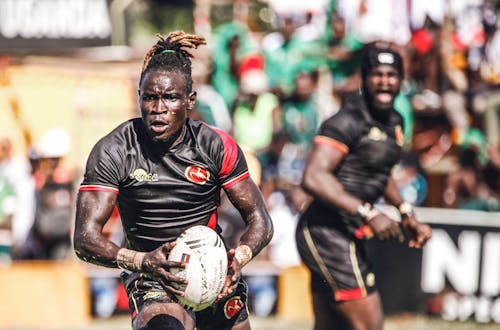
pixel 457 274
pixel 53 25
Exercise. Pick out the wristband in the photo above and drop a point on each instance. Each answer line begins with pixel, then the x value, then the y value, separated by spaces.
pixel 364 209
pixel 367 212
pixel 243 255
pixel 405 209
pixel 130 259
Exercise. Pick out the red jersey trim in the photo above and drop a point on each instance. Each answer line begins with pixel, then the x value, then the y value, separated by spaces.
pixel 234 181
pixel 98 188
pixel 352 294
pixel 230 152
pixel 332 143
pixel 212 223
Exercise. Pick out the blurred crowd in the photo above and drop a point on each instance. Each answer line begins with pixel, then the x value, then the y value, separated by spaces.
pixel 272 90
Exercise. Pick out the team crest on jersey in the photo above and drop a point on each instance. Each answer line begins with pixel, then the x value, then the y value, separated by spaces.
pixel 197 174
pixel 399 135
pixel 376 134
pixel 232 307
pixel 141 175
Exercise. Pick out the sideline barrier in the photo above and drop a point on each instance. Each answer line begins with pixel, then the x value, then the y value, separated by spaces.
pixel 456 276
pixel 294 296
pixel 293 301
pixel 44 294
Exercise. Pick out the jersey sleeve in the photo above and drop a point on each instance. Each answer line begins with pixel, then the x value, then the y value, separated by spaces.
pixel 233 167
pixel 340 131
pixel 102 171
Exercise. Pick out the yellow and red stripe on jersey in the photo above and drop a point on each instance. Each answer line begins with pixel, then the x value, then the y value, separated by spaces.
pixel 320 139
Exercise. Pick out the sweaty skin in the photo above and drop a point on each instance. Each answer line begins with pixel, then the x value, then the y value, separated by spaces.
pixel 332 178
pixel 165 101
pixel 381 85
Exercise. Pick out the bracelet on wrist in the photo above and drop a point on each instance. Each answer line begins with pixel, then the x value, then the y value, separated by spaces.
pixel 130 259
pixel 364 209
pixel 406 210
pixel 367 212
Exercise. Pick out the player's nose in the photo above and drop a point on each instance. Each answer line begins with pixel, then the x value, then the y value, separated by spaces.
pixel 160 106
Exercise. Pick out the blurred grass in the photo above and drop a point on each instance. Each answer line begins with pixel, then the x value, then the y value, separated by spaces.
pixel 420 322
pixel 397 322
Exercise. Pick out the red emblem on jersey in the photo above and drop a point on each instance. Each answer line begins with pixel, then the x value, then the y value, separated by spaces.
pixel 197 174
pixel 232 307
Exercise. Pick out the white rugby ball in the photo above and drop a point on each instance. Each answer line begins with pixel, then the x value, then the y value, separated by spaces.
pixel 206 266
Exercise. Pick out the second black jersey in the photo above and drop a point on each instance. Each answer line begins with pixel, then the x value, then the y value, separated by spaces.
pixel 371 149
pixel 161 192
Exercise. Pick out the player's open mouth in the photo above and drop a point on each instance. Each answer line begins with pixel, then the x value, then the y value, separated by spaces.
pixel 384 97
pixel 158 126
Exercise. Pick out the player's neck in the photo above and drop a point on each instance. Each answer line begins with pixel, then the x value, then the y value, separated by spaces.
pixel 171 141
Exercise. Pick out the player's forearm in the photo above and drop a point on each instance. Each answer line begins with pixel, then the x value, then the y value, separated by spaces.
pixel 391 193
pixel 258 234
pixel 327 188
pixel 93 209
pixel 247 198
pixel 95 249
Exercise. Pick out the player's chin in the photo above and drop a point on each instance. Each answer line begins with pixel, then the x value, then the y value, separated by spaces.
pixel 384 105
pixel 159 137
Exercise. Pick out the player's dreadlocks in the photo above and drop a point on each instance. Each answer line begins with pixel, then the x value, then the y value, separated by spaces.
pixel 168 54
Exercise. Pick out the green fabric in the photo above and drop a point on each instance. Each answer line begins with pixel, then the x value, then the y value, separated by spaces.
pixel 342 69
pixel 476 139
pixel 205 112
pixel 300 121
pixel 283 63
pixel 6 194
pixel 330 9
pixel 479 204
pixel 254 129
pixel 222 80
pixel 403 106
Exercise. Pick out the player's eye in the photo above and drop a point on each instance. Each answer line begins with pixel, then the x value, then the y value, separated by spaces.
pixel 170 97
pixel 149 97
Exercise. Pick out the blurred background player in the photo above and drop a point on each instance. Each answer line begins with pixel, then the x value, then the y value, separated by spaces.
pixel 347 171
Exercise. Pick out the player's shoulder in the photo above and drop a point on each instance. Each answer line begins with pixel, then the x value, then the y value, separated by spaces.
pixel 208 135
pixel 350 113
pixel 122 136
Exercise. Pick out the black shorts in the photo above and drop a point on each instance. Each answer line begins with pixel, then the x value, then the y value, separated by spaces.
pixel 338 262
pixel 223 314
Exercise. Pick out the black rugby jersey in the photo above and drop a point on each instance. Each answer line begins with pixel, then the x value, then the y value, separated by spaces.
pixel 371 149
pixel 163 192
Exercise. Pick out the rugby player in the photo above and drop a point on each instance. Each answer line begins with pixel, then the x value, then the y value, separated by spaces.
pixel 165 173
pixel 347 171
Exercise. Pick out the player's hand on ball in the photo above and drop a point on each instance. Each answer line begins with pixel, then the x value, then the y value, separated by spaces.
pixel 158 266
pixel 233 275
pixel 385 228
pixel 418 232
